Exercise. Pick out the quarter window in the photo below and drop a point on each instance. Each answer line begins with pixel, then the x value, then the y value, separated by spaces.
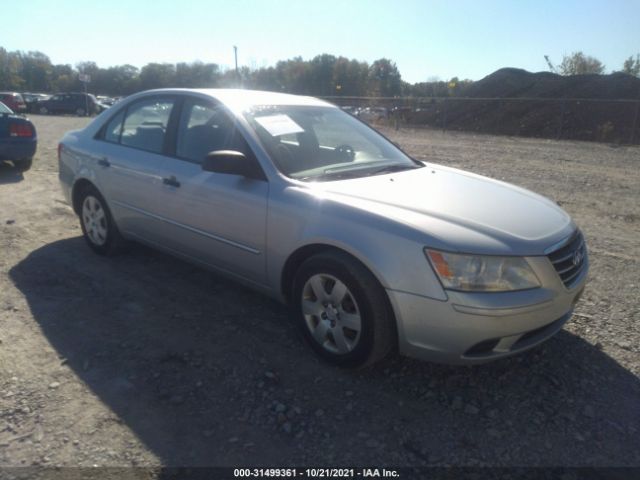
pixel 114 128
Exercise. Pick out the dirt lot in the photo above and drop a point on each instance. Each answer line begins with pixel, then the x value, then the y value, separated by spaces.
pixel 145 360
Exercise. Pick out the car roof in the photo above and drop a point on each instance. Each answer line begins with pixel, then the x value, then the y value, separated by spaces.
pixel 242 99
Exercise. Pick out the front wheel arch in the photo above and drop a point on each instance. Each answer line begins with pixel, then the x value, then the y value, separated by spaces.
pixel 298 257
pixel 381 335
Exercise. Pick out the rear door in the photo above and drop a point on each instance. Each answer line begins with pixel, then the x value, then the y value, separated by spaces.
pixel 131 166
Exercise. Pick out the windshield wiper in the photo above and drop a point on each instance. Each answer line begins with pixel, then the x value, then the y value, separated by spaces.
pixel 392 169
pixel 341 173
pixel 333 175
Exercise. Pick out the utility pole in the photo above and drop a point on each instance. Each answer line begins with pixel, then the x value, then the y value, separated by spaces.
pixel 551 66
pixel 235 53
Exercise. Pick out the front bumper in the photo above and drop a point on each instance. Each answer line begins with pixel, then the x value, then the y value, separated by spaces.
pixel 471 328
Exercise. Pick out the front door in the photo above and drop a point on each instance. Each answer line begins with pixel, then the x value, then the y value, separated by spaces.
pixel 219 219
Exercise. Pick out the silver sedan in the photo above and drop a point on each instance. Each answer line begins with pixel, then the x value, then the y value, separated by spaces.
pixel 374 250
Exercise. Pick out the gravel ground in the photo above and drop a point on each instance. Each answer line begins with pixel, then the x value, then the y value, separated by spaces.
pixel 143 360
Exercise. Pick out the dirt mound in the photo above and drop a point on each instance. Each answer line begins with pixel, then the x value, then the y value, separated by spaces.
pixel 543 104
pixel 517 83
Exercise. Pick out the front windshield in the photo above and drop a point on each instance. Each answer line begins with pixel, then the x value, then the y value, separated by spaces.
pixel 4 108
pixel 323 143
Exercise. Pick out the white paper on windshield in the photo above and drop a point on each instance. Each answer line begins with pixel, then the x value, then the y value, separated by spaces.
pixel 278 125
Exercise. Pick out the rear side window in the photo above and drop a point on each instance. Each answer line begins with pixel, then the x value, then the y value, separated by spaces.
pixel 146 123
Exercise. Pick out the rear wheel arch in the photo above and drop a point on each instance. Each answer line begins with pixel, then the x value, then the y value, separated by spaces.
pixel 79 187
pixel 98 226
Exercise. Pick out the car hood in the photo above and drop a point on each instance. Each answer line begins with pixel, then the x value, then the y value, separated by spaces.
pixel 460 211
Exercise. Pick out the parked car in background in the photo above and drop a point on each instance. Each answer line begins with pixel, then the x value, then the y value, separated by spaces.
pixel 32 100
pixel 77 103
pixel 18 139
pixel 14 101
pixel 350 109
pixel 373 114
pixel 104 100
pixel 374 250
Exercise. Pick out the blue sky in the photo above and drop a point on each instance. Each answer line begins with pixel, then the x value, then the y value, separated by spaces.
pixel 426 38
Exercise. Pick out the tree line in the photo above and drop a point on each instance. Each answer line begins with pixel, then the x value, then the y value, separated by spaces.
pixel 580 64
pixel 323 75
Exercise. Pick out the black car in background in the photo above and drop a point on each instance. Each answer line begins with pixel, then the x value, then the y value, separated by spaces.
pixel 77 103
pixel 32 100
pixel 18 139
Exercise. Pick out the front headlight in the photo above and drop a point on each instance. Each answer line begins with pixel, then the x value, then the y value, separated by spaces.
pixel 482 273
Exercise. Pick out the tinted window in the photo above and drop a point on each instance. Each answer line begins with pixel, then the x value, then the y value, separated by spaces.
pixel 146 124
pixel 204 128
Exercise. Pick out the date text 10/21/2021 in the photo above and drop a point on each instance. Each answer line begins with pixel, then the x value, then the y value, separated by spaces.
pixel 349 473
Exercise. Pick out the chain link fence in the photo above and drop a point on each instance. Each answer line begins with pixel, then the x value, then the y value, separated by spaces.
pixel 600 120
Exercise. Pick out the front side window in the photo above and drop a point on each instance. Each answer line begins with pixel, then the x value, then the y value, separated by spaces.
pixel 323 143
pixel 146 123
pixel 204 128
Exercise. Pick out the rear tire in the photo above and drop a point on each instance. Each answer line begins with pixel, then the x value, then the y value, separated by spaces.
pixel 98 227
pixel 342 310
pixel 24 164
pixel 43 110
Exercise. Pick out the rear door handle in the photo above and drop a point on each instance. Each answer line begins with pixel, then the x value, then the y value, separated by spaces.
pixel 171 181
pixel 103 162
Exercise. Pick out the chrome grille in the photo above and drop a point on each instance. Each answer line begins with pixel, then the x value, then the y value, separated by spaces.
pixel 570 259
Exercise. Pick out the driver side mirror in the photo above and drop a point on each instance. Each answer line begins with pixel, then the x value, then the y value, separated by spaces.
pixel 232 162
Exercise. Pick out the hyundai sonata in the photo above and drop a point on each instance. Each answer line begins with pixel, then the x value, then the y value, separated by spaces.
pixel 374 250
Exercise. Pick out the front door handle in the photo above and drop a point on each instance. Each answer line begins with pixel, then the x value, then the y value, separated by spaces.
pixel 104 162
pixel 171 181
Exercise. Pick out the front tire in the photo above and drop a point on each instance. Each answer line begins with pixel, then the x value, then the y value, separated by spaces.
pixel 44 111
pixel 99 230
pixel 342 310
pixel 80 112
